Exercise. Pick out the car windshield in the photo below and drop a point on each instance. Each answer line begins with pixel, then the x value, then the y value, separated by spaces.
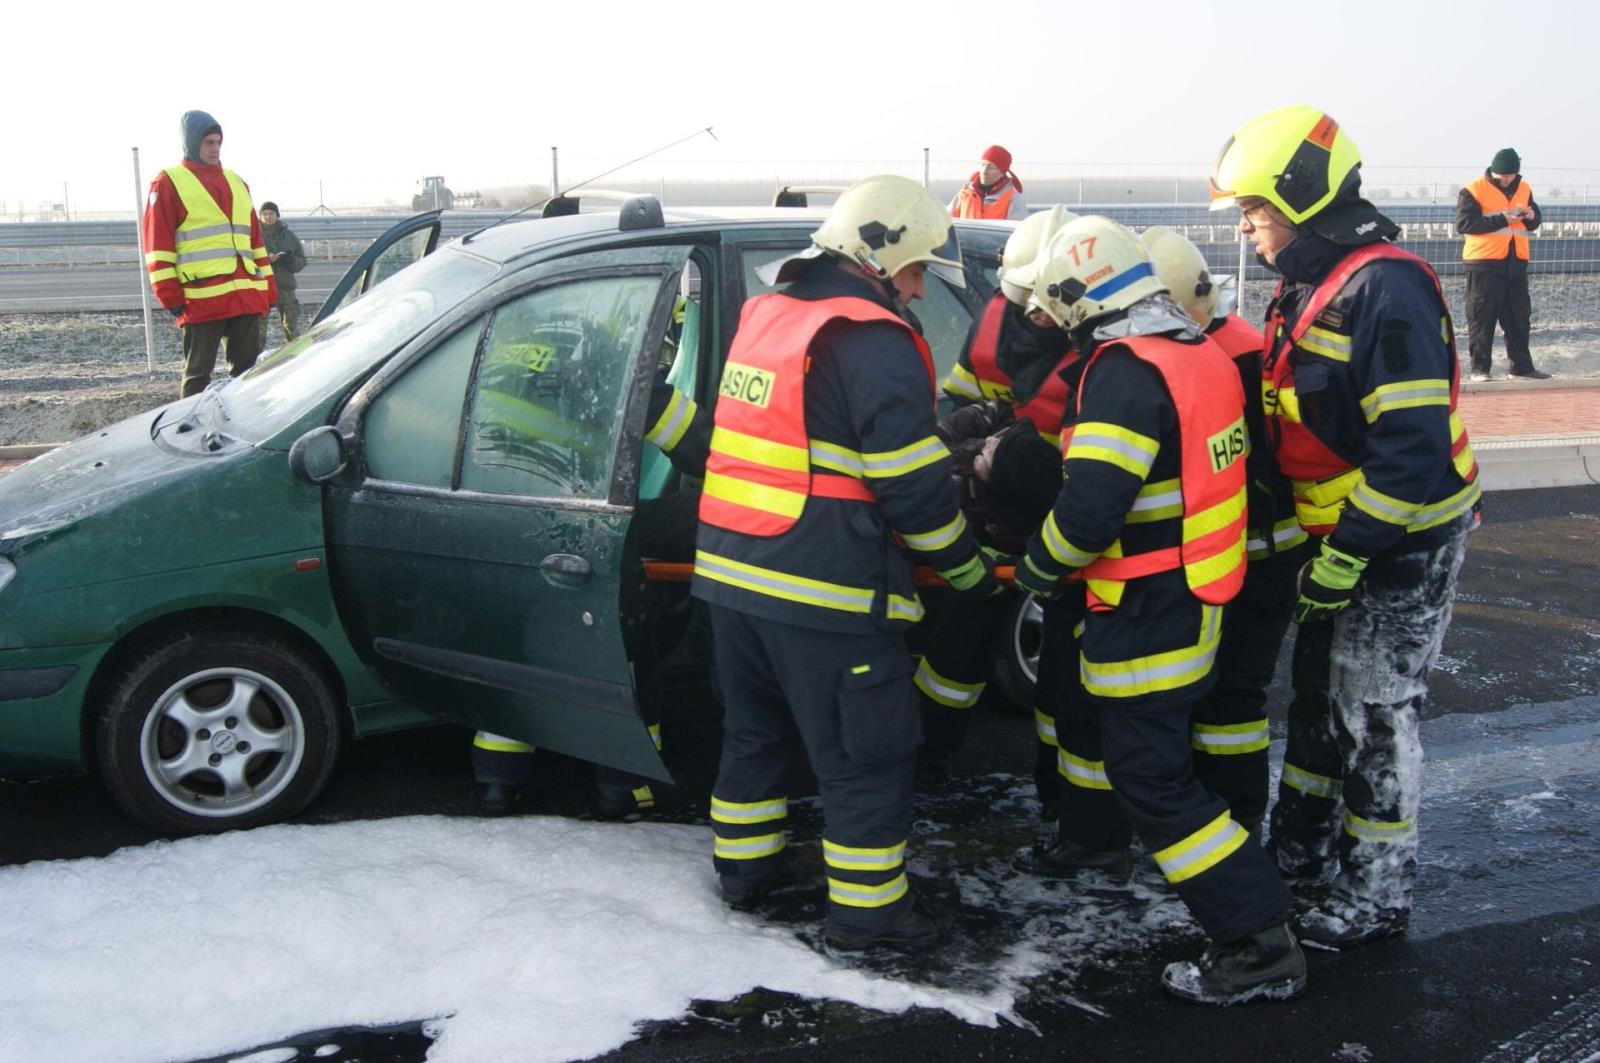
pixel 296 377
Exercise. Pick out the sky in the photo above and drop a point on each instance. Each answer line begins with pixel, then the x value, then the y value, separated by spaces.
pixel 352 103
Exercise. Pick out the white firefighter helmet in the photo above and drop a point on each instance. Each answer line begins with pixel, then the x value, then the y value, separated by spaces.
pixel 1093 267
pixel 1182 269
pixel 884 224
pixel 1018 258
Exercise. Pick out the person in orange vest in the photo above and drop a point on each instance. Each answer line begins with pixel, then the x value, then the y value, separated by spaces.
pixel 824 483
pixel 1359 388
pixel 1230 723
pixel 206 257
pixel 1151 518
pixel 992 191
pixel 1495 214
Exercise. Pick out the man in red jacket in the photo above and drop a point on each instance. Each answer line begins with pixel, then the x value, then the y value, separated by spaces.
pixel 207 260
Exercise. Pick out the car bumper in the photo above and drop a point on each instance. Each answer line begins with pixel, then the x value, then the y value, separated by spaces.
pixel 41 703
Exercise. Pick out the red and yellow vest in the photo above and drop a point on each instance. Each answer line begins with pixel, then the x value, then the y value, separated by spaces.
pixel 759 475
pixel 209 243
pixel 1322 480
pixel 970 204
pixel 1492 199
pixel 1236 337
pixel 1204 387
pixel 1048 406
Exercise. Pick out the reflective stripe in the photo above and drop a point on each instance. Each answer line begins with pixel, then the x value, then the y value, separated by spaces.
pixel 848 858
pixel 211 291
pixel 152 257
pixel 962 384
pixel 898 608
pixel 855 895
pixel 748 811
pixel 781 585
pixel 1326 343
pixel 1157 672
pixel 216 230
pixel 201 256
pixel 1202 850
pixel 1404 396
pixel 746 848
pixel 1058 546
pixel 499 743
pixel 655 735
pixel 1456 505
pixel 1044 725
pixel 907 459
pixel 1215 518
pixel 673 422
pixel 1310 783
pixel 1161 500
pixel 1115 445
pixel 1286 533
pixel 1371 830
pixel 760 451
pixel 1224 739
pixel 1086 774
pixel 163 274
pixel 836 458
pixel 939 538
pixel 1384 507
pixel 945 691
pixel 753 495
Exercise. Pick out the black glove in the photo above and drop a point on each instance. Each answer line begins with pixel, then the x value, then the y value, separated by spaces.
pixel 1036 583
pixel 1327 584
pixel 976 577
pixel 175 311
pixel 977 421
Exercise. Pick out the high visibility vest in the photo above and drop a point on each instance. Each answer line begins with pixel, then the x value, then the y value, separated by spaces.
pixel 970 203
pixel 1322 479
pixel 1046 407
pixel 758 474
pixel 1205 390
pixel 1492 199
pixel 209 243
pixel 1237 337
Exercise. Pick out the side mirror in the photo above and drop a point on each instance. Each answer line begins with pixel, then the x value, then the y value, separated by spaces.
pixel 318 456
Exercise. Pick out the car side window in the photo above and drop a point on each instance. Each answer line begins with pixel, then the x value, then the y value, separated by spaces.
pixel 409 433
pixel 551 387
pixel 945 318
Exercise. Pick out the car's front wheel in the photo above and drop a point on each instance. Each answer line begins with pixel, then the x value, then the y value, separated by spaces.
pixel 205 732
pixel 1017 653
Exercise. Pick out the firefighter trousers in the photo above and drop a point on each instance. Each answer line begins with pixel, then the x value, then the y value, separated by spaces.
pixel 954 669
pixel 849 700
pixel 1354 729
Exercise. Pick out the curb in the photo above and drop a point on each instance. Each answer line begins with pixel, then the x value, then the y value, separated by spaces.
pixel 1555 383
pixel 23 451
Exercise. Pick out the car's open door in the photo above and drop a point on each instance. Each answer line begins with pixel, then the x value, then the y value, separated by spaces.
pixel 478 550
pixel 396 249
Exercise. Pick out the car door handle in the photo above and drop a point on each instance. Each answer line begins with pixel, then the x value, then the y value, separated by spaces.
pixel 566 570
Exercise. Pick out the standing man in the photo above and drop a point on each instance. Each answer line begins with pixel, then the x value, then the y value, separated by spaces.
pixel 1359 387
pixel 992 191
pixel 208 264
pixel 825 479
pixel 288 257
pixel 1496 213
pixel 1151 517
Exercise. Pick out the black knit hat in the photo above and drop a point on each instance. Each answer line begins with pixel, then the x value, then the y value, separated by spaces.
pixel 196 126
pixel 270 205
pixel 1506 160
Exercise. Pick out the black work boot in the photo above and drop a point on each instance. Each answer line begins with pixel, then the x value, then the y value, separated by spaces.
pixel 1068 859
pixel 1266 965
pixel 629 803
pixel 746 893
pixel 915 924
pixel 496 798
pixel 1337 923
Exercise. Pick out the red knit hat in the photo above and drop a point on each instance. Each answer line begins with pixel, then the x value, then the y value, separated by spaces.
pixel 1000 157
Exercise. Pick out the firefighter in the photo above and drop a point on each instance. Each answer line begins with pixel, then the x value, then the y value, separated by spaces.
pixel 1011 364
pixel 1151 517
pixel 825 480
pixel 1230 723
pixel 1359 383
pixel 503 766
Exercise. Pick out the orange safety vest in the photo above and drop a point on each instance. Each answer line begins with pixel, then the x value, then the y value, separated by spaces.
pixel 1492 199
pixel 1236 337
pixel 1205 390
pixel 758 473
pixel 970 203
pixel 1322 479
pixel 1047 407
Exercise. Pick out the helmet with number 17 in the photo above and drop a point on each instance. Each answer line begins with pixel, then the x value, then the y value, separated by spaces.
pixel 1296 158
pixel 1092 268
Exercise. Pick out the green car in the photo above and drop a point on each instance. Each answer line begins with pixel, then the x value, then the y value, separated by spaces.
pixel 419 509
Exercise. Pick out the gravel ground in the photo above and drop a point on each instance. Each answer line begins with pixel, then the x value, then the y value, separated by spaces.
pixel 65 375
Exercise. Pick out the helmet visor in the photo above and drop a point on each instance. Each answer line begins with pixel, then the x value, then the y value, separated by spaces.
pixel 945 260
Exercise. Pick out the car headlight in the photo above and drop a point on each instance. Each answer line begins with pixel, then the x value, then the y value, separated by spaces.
pixel 7 570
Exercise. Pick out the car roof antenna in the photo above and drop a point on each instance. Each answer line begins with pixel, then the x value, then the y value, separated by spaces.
pixel 467 239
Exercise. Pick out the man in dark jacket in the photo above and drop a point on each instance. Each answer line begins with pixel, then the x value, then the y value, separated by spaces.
pixel 288 258
pixel 1495 213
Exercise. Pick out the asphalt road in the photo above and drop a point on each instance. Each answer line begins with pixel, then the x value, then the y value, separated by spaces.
pixel 85 289
pixel 1502 962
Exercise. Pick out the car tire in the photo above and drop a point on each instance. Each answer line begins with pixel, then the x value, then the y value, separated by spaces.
pixel 205 732
pixel 1016 664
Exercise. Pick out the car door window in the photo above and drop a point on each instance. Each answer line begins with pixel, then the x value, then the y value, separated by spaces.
pixel 410 432
pixel 551 387
pixel 945 318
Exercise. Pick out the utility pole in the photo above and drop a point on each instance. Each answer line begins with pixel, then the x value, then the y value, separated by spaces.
pixel 144 270
pixel 66 201
pixel 924 167
pixel 555 174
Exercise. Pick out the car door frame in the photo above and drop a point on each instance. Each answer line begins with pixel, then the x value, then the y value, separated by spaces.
pixel 359 271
